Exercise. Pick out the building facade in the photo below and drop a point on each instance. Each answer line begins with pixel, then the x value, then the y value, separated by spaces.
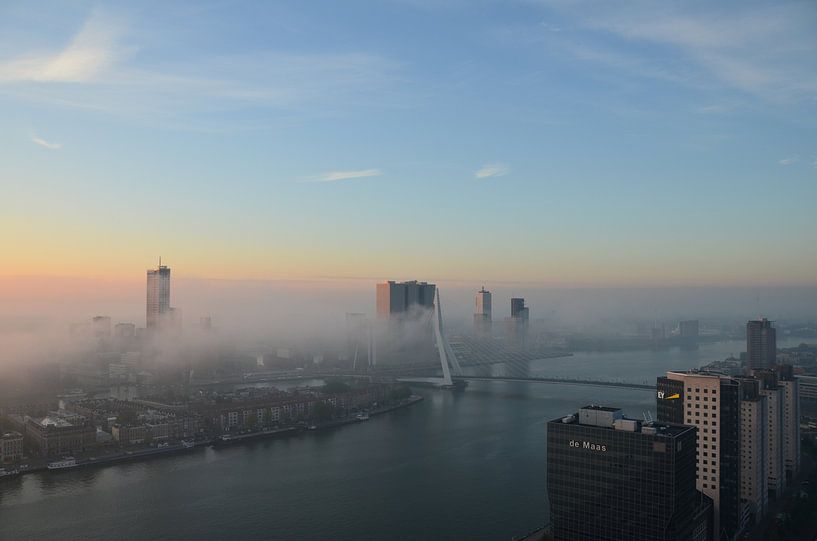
pixel 753 461
pixel 761 344
pixel 396 299
pixel 482 314
pixel 11 447
pixel 612 478
pixel 710 402
pixel 158 297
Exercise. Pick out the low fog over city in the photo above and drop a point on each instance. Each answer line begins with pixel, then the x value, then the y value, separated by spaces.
pixel 527 270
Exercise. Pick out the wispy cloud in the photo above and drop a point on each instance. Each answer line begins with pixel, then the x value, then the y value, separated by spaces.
pixel 789 161
pixel 96 71
pixel 94 49
pixel 45 144
pixel 334 176
pixel 492 170
pixel 769 51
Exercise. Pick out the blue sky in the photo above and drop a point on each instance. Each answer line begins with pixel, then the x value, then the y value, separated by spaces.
pixel 561 142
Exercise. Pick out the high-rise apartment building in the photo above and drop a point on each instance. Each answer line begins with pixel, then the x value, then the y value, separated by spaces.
pixel 791 419
pixel 711 402
pixel 399 299
pixel 482 314
pixel 761 344
pixel 611 478
pixel 158 297
pixel 753 444
pixel 775 450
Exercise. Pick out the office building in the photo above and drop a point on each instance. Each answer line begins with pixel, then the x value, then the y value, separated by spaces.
pixel 761 344
pixel 400 299
pixel 711 402
pixel 753 461
pixel 611 478
pixel 482 314
pixel 158 297
pixel 101 327
pixel 516 326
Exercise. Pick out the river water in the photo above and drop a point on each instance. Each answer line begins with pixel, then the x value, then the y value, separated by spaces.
pixel 467 465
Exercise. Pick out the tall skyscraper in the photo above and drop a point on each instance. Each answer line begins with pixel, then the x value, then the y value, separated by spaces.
pixel 711 402
pixel 791 419
pixel 482 314
pixel 612 478
pixel 775 441
pixel 158 297
pixel 398 299
pixel 761 344
pixel 516 326
pixel 753 444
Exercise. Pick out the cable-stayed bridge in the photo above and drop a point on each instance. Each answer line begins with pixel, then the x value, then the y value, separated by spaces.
pixel 454 377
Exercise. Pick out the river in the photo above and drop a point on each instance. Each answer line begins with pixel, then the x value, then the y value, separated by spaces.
pixel 467 465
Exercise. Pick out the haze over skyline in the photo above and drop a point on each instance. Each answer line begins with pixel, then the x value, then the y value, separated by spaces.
pixel 552 142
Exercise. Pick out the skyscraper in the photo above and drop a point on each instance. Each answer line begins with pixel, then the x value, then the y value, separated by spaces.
pixel 761 344
pixel 710 402
pixel 516 326
pixel 158 297
pixel 753 444
pixel 482 314
pixel 612 478
pixel 398 299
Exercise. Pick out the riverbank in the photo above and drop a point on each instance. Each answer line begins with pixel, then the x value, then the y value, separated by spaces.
pixel 122 456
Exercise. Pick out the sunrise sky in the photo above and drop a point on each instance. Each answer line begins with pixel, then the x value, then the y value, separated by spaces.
pixel 555 142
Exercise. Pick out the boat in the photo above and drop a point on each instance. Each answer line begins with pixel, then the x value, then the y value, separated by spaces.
pixel 67 462
pixel 8 473
pixel 362 417
pixel 312 427
pixel 188 444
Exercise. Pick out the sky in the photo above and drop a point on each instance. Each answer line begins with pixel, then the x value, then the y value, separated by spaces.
pixel 563 143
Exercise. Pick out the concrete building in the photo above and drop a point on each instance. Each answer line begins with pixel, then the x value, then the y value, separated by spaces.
pixel 790 386
pixel 775 442
pixel 158 297
pixel 761 344
pixel 101 326
pixel 124 330
pixel 482 315
pixel 753 461
pixel 57 433
pixel 398 299
pixel 807 388
pixel 711 402
pixel 11 447
pixel 611 478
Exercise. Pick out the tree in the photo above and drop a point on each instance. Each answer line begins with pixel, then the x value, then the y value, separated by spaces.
pixel 323 411
pixel 252 421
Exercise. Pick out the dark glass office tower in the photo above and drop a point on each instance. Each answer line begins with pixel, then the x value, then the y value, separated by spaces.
pixel 612 478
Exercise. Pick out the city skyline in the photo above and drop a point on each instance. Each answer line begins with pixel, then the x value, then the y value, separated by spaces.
pixel 299 150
